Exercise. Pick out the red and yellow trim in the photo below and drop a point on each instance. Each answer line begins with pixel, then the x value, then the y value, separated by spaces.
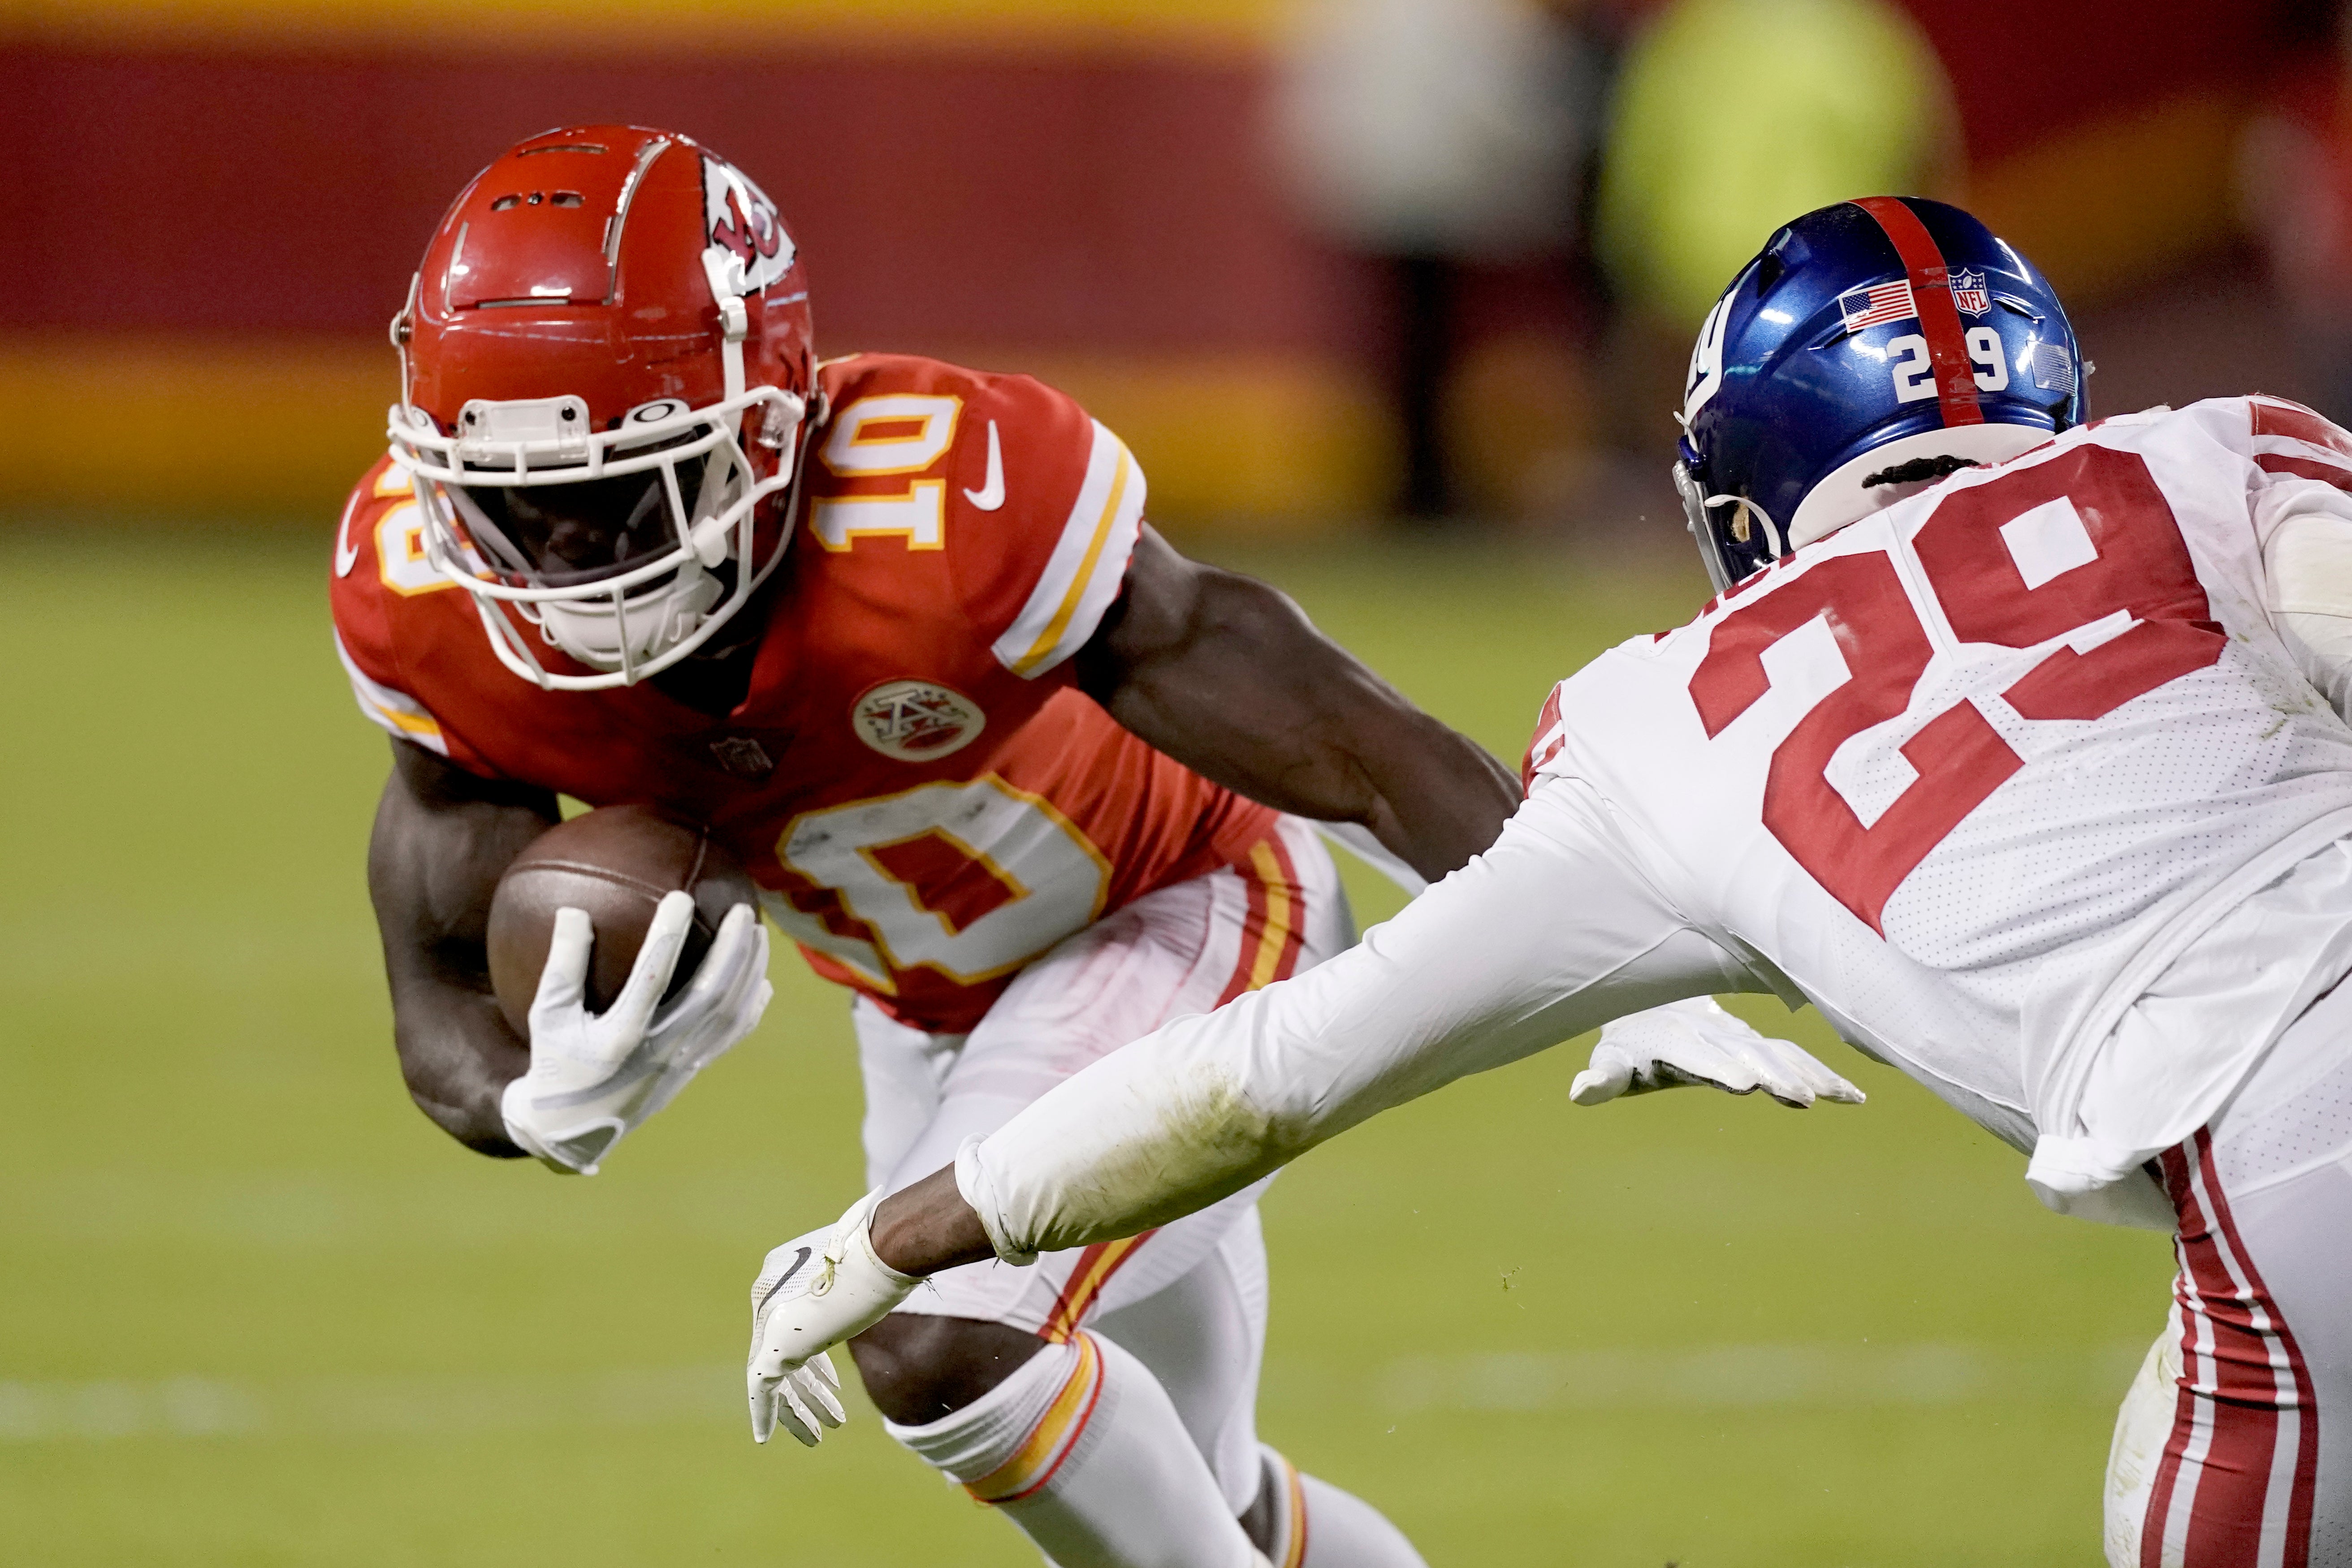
pixel 1276 922
pixel 1096 1264
pixel 1055 1434
pixel 1293 1512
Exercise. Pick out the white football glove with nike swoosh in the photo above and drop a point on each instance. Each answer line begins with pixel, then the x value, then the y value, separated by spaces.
pixel 814 1292
pixel 1696 1042
pixel 594 1078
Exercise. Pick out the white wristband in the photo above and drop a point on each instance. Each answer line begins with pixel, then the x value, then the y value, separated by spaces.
pixel 856 1267
pixel 973 1183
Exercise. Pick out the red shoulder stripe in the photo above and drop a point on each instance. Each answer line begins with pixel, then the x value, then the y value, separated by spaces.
pixel 1931 295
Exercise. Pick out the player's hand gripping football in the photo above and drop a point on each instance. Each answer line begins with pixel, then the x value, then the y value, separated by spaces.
pixel 595 1077
pixel 1696 1042
pixel 814 1292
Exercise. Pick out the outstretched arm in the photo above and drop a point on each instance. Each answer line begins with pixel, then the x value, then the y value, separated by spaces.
pixel 1228 677
pixel 1553 931
pixel 442 836
pixel 1549 933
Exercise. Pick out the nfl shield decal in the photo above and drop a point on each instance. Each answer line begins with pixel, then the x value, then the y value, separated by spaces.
pixel 1969 292
pixel 916 720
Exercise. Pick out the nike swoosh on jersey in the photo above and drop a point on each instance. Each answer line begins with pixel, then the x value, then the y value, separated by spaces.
pixel 346 552
pixel 991 495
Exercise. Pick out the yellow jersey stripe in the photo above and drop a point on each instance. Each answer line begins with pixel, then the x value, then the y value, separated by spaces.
pixel 1080 577
pixel 1086 1284
pixel 1054 627
pixel 395 709
pixel 1294 1553
pixel 1278 915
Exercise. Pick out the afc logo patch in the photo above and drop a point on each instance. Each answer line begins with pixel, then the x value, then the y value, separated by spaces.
pixel 915 720
pixel 1969 292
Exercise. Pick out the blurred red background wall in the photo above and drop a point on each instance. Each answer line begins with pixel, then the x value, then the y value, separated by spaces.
pixel 213 207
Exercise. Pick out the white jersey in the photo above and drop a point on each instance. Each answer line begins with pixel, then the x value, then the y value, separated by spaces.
pixel 1972 773
pixel 2028 781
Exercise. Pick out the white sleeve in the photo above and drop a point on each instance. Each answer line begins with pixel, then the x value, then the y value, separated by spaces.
pixel 1552 932
pixel 2306 529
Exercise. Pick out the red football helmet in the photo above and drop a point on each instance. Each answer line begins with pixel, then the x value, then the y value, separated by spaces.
pixel 605 374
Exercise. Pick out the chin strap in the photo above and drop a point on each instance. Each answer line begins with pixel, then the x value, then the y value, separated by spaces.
pixel 1740 529
pixel 734 319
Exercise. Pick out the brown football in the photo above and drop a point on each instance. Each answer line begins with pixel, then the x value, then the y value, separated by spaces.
pixel 614 863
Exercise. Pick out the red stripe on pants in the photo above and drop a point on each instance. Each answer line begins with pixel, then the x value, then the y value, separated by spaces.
pixel 2233 1342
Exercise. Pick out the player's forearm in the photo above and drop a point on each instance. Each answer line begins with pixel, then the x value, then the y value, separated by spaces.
pixel 1170 1124
pixel 1440 798
pixel 441 838
pixel 1472 974
pixel 457 1056
pixel 1330 750
pixel 1248 693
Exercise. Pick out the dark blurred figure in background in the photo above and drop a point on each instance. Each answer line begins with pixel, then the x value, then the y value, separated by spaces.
pixel 1558 191
pixel 1434 134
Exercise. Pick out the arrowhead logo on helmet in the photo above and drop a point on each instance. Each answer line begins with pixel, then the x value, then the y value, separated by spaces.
pixel 744 224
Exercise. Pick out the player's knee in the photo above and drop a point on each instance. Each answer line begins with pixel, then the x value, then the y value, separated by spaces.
pixel 2143 1426
pixel 918 1369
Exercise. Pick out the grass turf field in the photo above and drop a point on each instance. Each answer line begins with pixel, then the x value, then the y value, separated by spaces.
pixel 253 1309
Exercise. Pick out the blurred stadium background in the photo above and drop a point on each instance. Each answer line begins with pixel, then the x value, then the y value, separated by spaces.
pixel 1390 297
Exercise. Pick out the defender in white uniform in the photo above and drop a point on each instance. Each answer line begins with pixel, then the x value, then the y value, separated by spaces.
pixel 2036 781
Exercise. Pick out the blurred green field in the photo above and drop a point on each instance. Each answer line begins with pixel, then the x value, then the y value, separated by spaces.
pixel 253 1309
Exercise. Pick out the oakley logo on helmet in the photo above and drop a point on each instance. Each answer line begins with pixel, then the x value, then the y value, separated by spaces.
pixel 744 228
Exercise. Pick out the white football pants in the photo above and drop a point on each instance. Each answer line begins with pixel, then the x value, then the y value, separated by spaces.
pixel 2234 1450
pixel 1188 1299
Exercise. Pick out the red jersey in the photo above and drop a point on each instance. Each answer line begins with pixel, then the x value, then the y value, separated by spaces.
pixel 925 798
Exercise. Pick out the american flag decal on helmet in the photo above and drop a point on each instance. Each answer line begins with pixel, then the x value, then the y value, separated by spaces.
pixel 1876 303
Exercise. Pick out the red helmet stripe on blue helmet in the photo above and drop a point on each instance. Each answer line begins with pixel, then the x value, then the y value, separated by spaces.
pixel 1931 293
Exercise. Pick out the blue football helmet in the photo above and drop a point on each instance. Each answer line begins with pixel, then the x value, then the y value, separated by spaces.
pixel 1870 348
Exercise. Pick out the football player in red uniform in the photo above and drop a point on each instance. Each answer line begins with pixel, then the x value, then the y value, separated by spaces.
pixel 1001 762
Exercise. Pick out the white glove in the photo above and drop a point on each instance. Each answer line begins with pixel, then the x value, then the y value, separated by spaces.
pixel 814 1292
pixel 720 1006
pixel 1696 1042
pixel 596 1076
